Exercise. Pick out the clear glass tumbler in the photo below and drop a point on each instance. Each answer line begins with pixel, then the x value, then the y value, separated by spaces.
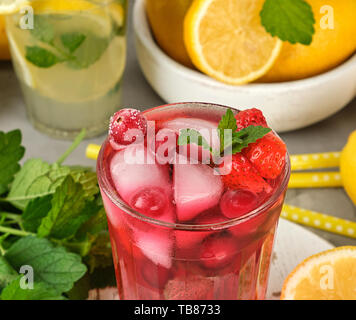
pixel 69 57
pixel 156 259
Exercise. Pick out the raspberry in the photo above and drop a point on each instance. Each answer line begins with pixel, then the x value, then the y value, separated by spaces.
pixel 250 117
pixel 127 126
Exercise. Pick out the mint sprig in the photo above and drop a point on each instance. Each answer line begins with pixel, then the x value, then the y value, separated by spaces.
pixel 76 49
pixel 231 140
pixel 289 20
pixel 51 218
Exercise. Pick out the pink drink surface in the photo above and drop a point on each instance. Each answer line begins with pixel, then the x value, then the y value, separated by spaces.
pixel 160 261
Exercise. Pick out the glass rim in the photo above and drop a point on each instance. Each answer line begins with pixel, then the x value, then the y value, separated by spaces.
pixel 113 196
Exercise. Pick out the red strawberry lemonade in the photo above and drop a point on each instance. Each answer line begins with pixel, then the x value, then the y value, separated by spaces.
pixel 193 194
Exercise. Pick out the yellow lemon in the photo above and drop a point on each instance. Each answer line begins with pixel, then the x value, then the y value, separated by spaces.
pixel 329 275
pixel 233 48
pixel 333 42
pixel 348 167
pixel 4 46
pixel 166 20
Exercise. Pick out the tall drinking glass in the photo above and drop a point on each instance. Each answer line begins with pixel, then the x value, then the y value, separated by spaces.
pixel 207 256
pixel 69 57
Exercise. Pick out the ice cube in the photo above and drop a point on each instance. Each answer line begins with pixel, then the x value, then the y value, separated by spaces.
pixel 207 129
pixel 131 171
pixel 196 188
pixel 156 245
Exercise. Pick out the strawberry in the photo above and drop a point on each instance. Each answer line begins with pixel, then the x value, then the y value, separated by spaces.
pixel 242 175
pixel 267 155
pixel 250 117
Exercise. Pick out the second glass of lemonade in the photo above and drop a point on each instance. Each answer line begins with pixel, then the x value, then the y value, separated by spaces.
pixel 69 57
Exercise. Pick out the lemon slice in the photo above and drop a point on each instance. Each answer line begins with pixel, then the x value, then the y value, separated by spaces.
pixel 225 39
pixel 11 6
pixel 329 275
pixel 107 71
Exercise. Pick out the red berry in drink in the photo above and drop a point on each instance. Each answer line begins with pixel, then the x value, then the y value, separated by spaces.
pixel 218 251
pixel 126 126
pixel 236 203
pixel 238 173
pixel 151 202
pixel 267 155
pixel 250 117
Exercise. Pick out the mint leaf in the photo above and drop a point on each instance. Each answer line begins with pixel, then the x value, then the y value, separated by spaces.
pixel 41 57
pixel 69 211
pixel 187 136
pixel 42 29
pixel 89 52
pixel 228 121
pixel 40 291
pixel 94 225
pixel 35 211
pixel 52 265
pixel 7 273
pixel 289 20
pixel 247 135
pixel 35 179
pixel 88 180
pixel 11 152
pixel 72 41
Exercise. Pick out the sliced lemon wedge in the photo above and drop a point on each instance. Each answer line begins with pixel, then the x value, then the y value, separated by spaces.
pixel 225 40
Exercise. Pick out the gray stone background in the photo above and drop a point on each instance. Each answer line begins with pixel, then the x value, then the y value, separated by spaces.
pixel 329 135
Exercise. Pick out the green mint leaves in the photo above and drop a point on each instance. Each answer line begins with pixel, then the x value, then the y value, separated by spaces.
pixel 51 218
pixel 289 20
pixel 11 152
pixel 230 139
pixel 52 265
pixel 72 41
pixel 75 48
pixel 41 57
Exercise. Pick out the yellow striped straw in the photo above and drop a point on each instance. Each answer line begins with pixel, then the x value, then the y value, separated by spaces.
pixel 315 180
pixel 92 151
pixel 320 221
pixel 315 161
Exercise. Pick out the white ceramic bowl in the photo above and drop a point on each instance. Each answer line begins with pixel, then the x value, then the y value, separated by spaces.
pixel 286 105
